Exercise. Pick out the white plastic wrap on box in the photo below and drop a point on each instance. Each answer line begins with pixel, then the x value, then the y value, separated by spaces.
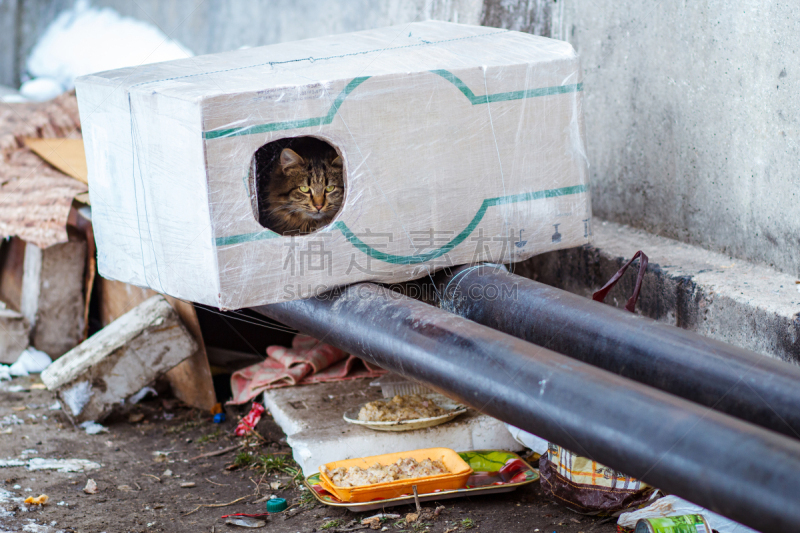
pixel 460 144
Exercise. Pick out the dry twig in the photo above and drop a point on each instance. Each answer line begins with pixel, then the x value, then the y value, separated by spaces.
pixel 215 505
pixel 223 451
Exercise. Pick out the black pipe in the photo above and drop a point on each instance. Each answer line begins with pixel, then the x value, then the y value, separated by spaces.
pixel 738 382
pixel 739 470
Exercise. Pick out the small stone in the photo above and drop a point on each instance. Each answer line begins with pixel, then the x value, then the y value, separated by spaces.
pixel 91 487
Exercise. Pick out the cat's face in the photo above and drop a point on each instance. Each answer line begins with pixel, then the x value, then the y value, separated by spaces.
pixel 307 189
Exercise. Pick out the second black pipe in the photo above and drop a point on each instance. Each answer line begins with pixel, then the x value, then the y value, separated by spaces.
pixel 738 382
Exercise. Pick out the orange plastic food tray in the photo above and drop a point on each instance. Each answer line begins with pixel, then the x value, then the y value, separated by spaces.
pixel 455 479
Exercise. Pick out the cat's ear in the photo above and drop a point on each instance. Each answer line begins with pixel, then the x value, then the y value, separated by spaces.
pixel 289 159
pixel 337 162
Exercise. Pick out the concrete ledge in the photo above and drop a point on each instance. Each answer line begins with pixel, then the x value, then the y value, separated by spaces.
pixel 311 417
pixel 748 305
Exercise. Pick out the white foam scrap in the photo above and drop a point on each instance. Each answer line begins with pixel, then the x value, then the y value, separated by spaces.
pixel 139 396
pixel 30 361
pixel 63 465
pixel 5 374
pixel 77 396
pixel 33 527
pixel 11 420
pixel 85 39
pixel 56 406
pixel 529 440
pixel 93 428
pixel 7 497
pixel 674 506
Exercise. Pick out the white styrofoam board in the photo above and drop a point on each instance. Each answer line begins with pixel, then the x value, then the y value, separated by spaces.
pixel 311 417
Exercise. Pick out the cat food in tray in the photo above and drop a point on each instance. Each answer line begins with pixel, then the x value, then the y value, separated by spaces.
pixel 454 474
pixel 275 173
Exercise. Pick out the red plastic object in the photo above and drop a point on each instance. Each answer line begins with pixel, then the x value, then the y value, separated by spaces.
pixel 250 421
pixel 600 295
pixel 257 515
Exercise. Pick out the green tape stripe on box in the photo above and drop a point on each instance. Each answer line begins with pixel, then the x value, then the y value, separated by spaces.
pixel 433 254
pixel 328 118
pixel 505 97
pixel 290 124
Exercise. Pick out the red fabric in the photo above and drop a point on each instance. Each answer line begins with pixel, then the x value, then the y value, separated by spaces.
pixel 250 421
pixel 307 361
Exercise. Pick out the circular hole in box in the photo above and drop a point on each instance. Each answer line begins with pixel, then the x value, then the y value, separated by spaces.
pixel 297 185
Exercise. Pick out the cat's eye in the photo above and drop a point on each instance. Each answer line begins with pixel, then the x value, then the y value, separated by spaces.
pixel 330 188
pixel 304 189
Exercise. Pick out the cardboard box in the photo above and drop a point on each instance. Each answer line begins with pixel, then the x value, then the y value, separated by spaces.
pixel 460 144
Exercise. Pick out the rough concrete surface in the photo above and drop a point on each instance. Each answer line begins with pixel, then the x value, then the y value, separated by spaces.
pixel 311 416
pixel 745 304
pixel 531 16
pixel 693 120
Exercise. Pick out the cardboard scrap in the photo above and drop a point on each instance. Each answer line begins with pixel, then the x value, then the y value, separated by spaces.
pixel 67 155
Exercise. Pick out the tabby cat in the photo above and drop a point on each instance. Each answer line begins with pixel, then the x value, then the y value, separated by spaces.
pixel 306 188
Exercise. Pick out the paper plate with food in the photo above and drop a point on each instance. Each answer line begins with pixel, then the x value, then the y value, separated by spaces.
pixel 405 412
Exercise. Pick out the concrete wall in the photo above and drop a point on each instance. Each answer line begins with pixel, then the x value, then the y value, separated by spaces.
pixel 693 119
pixel 8 43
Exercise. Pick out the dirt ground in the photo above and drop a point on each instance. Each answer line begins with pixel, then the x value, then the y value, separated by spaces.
pixel 148 454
